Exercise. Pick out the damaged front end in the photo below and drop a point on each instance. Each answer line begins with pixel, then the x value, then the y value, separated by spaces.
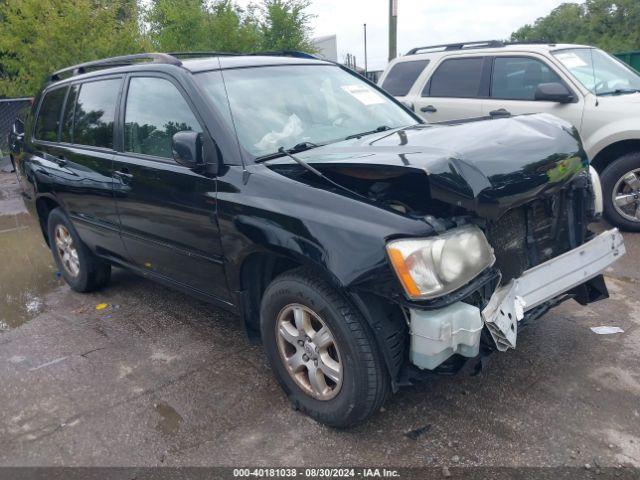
pixel 523 183
pixel 545 254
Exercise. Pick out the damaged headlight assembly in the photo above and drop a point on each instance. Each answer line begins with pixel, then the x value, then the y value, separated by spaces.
pixel 434 266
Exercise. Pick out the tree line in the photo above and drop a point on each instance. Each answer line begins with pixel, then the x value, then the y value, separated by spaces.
pixel 613 25
pixel 38 37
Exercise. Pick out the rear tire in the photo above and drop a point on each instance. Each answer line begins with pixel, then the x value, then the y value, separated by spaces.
pixel 79 266
pixel 363 383
pixel 611 180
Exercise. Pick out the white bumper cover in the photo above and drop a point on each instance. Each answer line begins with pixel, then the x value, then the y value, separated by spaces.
pixel 546 281
pixel 436 335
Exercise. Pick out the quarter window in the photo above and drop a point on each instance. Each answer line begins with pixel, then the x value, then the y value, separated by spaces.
pixel 517 78
pixel 155 111
pixel 459 77
pixel 402 76
pixel 95 112
pixel 49 116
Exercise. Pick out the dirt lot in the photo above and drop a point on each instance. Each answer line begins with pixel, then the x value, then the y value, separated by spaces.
pixel 157 378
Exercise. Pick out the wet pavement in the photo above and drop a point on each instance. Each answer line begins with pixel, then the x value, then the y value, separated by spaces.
pixel 158 378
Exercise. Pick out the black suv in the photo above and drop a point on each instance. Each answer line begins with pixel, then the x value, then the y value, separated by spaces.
pixel 364 248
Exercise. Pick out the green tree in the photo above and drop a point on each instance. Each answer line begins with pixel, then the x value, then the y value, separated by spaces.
pixel 39 37
pixel 285 25
pixel 221 25
pixel 609 24
pixel 178 25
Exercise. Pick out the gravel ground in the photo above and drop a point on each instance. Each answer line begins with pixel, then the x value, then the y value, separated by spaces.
pixel 158 378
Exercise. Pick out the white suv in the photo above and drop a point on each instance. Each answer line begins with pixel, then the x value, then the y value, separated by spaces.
pixel 592 90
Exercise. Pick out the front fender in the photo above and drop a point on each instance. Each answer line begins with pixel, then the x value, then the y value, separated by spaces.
pixel 340 235
pixel 609 134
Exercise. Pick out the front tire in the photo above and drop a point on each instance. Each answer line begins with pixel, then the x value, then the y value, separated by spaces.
pixel 621 192
pixel 81 268
pixel 321 350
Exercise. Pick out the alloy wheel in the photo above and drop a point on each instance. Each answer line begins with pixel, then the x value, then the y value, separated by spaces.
pixel 626 196
pixel 67 251
pixel 309 352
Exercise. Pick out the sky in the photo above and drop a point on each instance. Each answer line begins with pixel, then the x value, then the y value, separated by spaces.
pixel 420 22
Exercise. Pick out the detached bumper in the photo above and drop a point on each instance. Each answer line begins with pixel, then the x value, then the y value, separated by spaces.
pixel 546 281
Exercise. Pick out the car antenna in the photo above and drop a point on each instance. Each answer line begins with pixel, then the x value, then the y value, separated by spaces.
pixel 593 71
pixel 318 173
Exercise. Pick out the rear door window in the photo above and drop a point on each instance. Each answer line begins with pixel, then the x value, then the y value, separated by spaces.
pixel 48 121
pixel 95 113
pixel 402 76
pixel 155 111
pixel 457 77
pixel 517 78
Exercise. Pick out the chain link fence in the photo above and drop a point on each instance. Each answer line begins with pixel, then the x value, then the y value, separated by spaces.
pixel 9 109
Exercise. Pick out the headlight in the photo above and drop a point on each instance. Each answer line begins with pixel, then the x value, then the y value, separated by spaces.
pixel 434 266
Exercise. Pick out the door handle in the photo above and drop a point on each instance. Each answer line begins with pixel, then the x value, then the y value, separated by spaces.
pixel 123 174
pixel 61 161
pixel 429 109
pixel 501 112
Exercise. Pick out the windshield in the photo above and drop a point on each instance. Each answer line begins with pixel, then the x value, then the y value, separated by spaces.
pixel 288 106
pixel 598 71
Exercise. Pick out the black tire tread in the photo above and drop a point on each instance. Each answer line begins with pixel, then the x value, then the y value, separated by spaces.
pixel 98 271
pixel 608 179
pixel 378 379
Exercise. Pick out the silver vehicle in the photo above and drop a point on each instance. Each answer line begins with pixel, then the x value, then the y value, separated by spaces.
pixel 589 88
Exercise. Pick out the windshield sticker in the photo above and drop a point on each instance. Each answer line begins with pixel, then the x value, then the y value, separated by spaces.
pixel 571 60
pixel 363 94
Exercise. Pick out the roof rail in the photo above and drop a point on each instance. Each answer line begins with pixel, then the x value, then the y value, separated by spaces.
pixel 202 54
pixel 459 46
pixel 116 62
pixel 167 58
pixel 286 53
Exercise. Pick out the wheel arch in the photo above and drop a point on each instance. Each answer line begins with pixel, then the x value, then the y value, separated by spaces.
pixel 613 151
pixel 257 271
pixel 44 205
pixel 383 317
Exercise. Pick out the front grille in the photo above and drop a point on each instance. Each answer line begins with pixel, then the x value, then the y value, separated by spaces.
pixel 538 231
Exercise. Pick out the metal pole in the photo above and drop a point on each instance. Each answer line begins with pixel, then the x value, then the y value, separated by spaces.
pixel 365 50
pixel 393 29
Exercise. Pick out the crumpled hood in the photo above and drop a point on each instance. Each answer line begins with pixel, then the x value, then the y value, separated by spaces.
pixel 483 166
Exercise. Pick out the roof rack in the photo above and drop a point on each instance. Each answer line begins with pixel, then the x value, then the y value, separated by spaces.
pixel 286 53
pixel 459 46
pixel 116 62
pixel 202 54
pixel 167 58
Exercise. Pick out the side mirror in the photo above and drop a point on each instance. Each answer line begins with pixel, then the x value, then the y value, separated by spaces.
pixel 187 149
pixel 553 92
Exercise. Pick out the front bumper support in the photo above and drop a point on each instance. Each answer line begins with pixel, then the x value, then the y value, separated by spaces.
pixel 546 281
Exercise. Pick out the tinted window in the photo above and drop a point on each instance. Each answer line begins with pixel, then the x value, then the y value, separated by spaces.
pixel 459 77
pixel 49 115
pixel 95 112
pixel 155 112
pixel 516 78
pixel 402 76
pixel 67 118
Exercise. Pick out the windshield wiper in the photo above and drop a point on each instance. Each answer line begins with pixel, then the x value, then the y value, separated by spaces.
pixel 318 173
pixel 620 91
pixel 381 128
pixel 297 148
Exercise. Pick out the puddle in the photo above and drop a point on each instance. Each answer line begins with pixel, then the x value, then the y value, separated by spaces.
pixel 170 420
pixel 27 270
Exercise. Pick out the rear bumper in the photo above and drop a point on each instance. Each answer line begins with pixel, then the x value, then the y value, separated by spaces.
pixel 546 281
